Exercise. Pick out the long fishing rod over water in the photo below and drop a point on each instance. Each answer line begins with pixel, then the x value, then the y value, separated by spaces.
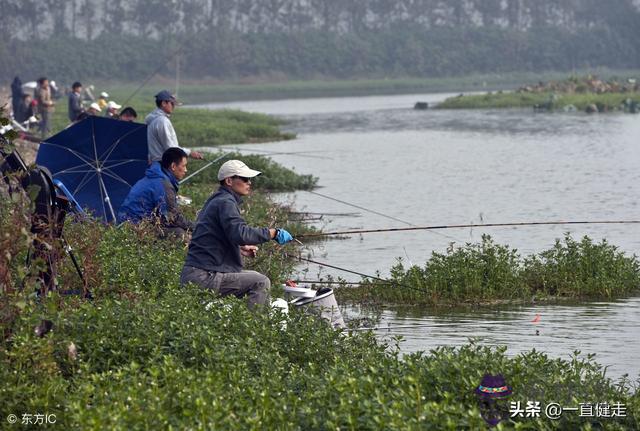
pixel 374 212
pixel 462 226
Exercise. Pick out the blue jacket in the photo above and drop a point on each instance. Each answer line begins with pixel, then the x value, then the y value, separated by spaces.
pixel 220 231
pixel 154 195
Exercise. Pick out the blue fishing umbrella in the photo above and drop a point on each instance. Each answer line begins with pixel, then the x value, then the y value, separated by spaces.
pixel 98 160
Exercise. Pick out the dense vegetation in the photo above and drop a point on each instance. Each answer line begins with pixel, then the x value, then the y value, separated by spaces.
pixel 145 354
pixel 213 39
pixel 486 272
pixel 574 93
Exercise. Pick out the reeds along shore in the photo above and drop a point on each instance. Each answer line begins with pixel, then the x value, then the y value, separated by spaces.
pixel 486 272
pixel 588 94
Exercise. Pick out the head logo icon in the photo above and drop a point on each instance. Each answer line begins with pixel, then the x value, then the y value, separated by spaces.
pixel 491 393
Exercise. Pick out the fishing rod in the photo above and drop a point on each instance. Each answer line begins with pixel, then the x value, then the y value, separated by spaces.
pixel 375 212
pixel 461 226
pixel 203 168
pixel 277 153
pixel 160 66
pixel 357 273
pixel 393 326
pixel 327 214
pixel 345 283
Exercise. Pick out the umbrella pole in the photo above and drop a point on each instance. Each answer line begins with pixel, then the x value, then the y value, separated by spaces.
pixel 107 199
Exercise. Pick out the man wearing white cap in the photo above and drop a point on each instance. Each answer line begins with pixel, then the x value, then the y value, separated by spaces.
pixel 221 237
pixel 93 109
pixel 112 110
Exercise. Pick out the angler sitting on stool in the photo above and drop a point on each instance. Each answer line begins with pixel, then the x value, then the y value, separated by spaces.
pixel 222 236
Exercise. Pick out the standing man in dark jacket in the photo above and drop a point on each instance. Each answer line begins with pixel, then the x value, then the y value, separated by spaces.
pixel 155 195
pixel 16 95
pixel 221 237
pixel 75 102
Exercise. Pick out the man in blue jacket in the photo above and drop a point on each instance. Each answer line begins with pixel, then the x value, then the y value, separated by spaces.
pixel 155 195
pixel 221 237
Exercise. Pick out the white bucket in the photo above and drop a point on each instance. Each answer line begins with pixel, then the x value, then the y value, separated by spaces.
pixel 324 305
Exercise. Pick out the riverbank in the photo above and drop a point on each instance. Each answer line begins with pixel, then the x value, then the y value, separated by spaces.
pixel 197 92
pixel 572 94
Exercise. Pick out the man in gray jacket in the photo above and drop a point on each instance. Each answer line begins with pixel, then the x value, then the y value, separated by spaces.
pixel 160 132
pixel 221 237
pixel 75 102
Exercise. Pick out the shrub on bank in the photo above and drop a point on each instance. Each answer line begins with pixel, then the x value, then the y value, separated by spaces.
pixel 500 100
pixel 203 127
pixel 186 359
pixel 274 178
pixel 484 272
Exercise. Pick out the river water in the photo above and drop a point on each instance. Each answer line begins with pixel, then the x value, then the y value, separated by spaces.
pixel 454 167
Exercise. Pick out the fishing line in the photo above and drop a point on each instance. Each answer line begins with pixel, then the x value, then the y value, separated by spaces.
pixel 393 326
pixel 358 273
pixel 376 212
pixel 346 283
pixel 203 168
pixel 460 226
pixel 278 153
pixel 163 64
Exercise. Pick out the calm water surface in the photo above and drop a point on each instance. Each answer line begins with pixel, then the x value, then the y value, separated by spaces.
pixel 454 167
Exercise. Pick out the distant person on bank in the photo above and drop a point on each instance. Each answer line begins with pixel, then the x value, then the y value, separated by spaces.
pixel 160 132
pixel 25 109
pixel 92 110
pixel 42 94
pixel 155 195
pixel 221 237
pixel 112 110
pixel 102 100
pixel 75 101
pixel 128 114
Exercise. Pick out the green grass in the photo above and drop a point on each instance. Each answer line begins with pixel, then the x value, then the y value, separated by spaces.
pixel 196 127
pixel 609 101
pixel 486 272
pixel 187 360
pixel 203 92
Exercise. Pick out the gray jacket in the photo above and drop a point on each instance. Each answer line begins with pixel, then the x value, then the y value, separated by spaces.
pixel 160 134
pixel 75 106
pixel 220 231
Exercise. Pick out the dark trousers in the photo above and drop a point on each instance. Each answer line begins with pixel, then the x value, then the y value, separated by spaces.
pixel 45 128
pixel 252 284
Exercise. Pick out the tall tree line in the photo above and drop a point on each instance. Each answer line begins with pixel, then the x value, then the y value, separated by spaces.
pixel 121 39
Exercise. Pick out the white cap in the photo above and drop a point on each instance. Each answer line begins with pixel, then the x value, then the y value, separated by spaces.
pixel 104 94
pixel 236 167
pixel 95 106
pixel 113 105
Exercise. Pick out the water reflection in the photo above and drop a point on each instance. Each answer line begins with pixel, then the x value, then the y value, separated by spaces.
pixel 609 329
